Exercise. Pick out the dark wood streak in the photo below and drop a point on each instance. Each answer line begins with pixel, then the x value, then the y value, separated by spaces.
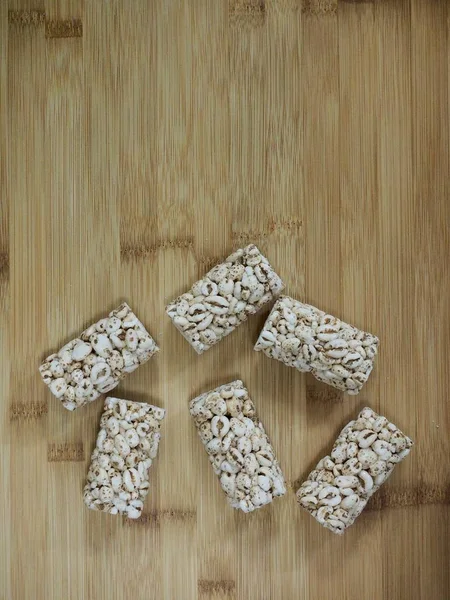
pixel 155 516
pixel 4 265
pixel 206 263
pixel 69 28
pixel 325 396
pixel 391 497
pixel 273 226
pixel 319 7
pixel 54 28
pixel 65 452
pixel 247 13
pixel 22 411
pixel 24 18
pixel 130 252
pixel 208 586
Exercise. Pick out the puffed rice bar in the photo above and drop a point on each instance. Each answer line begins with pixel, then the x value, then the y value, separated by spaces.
pixel 223 299
pixel 127 443
pixel 94 363
pixel 304 337
pixel 237 446
pixel 362 458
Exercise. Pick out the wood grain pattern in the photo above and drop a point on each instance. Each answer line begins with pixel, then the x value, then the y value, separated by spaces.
pixel 139 144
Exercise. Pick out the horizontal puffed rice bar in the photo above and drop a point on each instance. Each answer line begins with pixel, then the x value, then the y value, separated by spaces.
pixel 127 442
pixel 238 447
pixel 94 363
pixel 224 298
pixel 362 458
pixel 304 337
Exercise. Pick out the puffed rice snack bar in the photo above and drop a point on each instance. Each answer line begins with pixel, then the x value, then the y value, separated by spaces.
pixel 94 363
pixel 304 337
pixel 237 446
pixel 362 458
pixel 127 443
pixel 224 298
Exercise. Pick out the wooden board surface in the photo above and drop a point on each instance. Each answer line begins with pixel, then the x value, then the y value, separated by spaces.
pixel 141 141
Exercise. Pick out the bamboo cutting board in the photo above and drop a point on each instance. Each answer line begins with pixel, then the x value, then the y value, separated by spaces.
pixel 143 141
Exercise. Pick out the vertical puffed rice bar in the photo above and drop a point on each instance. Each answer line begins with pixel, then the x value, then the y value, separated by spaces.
pixel 304 337
pixel 362 458
pixel 227 294
pixel 127 443
pixel 94 363
pixel 238 447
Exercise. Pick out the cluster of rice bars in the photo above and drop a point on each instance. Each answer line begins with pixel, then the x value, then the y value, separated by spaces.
pixel 297 334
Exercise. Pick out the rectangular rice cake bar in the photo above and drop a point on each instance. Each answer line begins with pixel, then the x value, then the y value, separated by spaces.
pixel 237 446
pixel 304 337
pixel 362 458
pixel 127 443
pixel 224 298
pixel 94 363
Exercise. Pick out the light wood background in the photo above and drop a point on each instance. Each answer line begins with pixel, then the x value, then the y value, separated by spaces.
pixel 142 140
